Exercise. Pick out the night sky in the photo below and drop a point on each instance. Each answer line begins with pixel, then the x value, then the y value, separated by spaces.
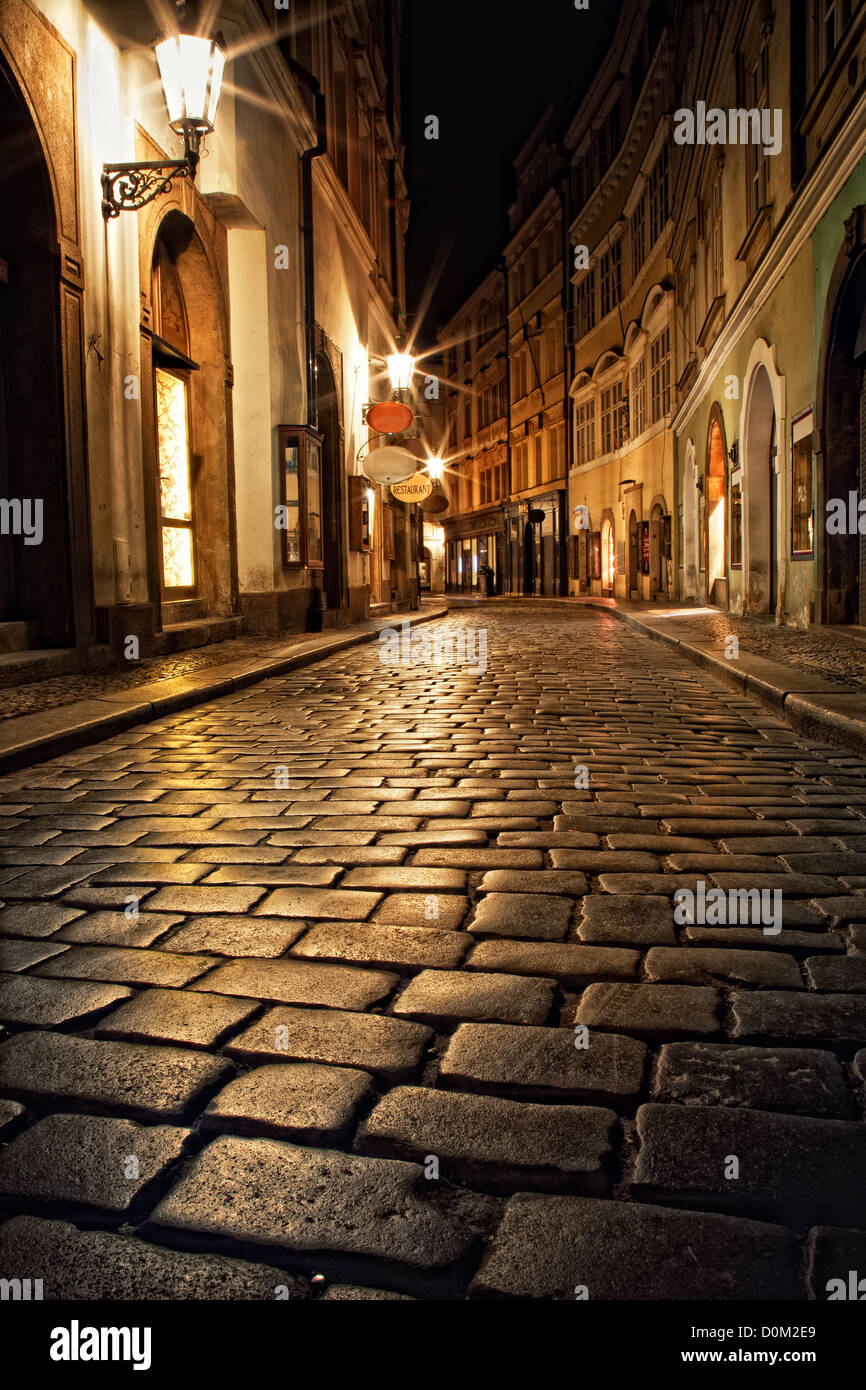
pixel 487 69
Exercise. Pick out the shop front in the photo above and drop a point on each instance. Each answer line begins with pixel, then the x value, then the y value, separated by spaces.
pixel 475 555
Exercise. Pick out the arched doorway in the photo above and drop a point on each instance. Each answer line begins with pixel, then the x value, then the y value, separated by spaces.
pixel 191 554
pixel 529 566
pixel 842 430
pixel 715 539
pixel 759 468
pixel 633 554
pixel 333 487
pixel 35 571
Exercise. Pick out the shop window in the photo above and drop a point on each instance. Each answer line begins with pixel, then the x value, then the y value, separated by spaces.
pixel 802 484
pixel 361 505
pixel 301 497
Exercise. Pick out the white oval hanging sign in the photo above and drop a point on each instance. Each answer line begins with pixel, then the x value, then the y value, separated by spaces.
pixel 415 489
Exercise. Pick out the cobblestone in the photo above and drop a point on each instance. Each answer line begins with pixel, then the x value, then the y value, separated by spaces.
pixel 799 1080
pixel 88 1160
pixel 517 1143
pixel 275 1194
pixel 553 1247
pixel 433 945
pixel 97 1266
pixel 686 1152
pixel 290 1100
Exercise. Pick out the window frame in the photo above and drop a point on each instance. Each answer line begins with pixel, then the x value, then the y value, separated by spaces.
pixel 306 440
pixel 660 375
pixel 802 443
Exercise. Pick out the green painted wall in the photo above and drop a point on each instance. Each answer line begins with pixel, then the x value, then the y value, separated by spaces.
pixel 827 239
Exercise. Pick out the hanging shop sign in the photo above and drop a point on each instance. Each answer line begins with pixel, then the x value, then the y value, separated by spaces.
pixel 645 546
pixel 414 489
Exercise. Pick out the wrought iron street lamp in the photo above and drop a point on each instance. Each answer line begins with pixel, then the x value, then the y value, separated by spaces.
pixel 191 68
pixel 396 415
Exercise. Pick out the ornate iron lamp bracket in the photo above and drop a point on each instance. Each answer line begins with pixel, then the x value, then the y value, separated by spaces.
pixel 128 187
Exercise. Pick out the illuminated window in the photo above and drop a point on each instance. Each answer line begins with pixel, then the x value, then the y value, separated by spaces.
pixel 175 492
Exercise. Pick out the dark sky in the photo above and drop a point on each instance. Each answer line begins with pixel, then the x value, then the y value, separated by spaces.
pixel 487 69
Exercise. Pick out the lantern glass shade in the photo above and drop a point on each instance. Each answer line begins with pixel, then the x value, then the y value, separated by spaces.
pixel 389 464
pixel 435 468
pixel 401 368
pixel 191 68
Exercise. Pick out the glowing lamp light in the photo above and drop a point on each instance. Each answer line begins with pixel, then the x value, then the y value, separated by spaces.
pixel 191 68
pixel 435 469
pixel 389 464
pixel 401 369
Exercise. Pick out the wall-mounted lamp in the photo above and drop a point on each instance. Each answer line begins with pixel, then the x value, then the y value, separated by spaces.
pixel 734 451
pixel 396 415
pixel 191 68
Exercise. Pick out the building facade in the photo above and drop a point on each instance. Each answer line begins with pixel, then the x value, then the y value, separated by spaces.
pixel 771 423
pixel 714 324
pixel 475 368
pixel 536 514
pixel 622 318
pixel 185 384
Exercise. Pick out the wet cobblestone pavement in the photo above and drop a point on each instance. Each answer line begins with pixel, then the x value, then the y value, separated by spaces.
pixel 354 985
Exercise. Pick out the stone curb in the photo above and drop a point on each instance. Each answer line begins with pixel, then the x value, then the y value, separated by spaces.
pixel 86 722
pixel 807 717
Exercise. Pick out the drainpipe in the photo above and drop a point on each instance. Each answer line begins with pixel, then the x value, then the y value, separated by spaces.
pixel 503 266
pixel 307 157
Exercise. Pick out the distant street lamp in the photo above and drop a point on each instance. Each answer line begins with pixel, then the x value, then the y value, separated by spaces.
pixel 191 68
pixel 435 469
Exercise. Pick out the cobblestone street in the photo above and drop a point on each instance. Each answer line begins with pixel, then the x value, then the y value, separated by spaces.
pixel 353 985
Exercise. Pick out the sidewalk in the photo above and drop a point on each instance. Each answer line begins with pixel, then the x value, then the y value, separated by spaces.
pixel 50 717
pixel 815 677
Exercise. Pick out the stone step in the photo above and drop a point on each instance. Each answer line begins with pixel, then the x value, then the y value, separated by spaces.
pixel 17 636
pixel 178 637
